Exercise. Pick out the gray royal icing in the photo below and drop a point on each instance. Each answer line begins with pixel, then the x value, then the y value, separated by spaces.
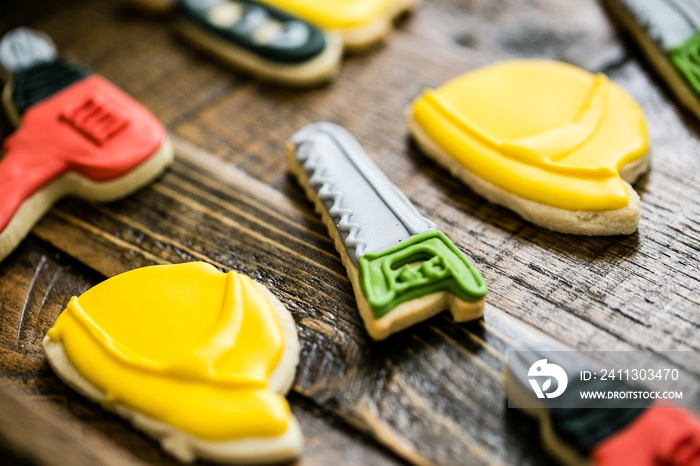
pixel 668 22
pixel 292 34
pixel 23 48
pixel 370 213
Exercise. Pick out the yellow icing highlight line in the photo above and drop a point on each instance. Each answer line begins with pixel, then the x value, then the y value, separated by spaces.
pixel 545 131
pixel 556 143
pixel 336 14
pixel 226 331
pixel 183 344
pixel 551 145
pixel 199 367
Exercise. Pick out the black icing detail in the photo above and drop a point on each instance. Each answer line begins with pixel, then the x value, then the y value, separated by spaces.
pixel 299 41
pixel 583 427
pixel 38 82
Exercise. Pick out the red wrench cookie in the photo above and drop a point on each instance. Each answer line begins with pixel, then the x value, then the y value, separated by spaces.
pixel 77 134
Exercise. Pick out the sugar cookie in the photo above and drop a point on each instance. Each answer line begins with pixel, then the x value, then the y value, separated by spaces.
pixel 78 135
pixel 646 432
pixel 552 142
pixel 403 270
pixel 257 38
pixel 668 32
pixel 360 23
pixel 196 358
pixel 264 41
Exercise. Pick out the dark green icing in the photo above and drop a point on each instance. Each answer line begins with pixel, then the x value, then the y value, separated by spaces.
pixel 686 59
pixel 241 34
pixel 390 277
pixel 584 427
pixel 30 85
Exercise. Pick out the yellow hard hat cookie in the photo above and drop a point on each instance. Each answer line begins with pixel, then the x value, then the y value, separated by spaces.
pixel 553 142
pixel 197 358
pixel 360 23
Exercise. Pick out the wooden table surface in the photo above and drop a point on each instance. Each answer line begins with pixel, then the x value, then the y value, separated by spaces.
pixel 432 394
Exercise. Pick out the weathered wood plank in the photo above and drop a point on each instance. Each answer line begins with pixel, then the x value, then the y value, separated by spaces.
pixel 432 394
pixel 443 39
pixel 50 424
pixel 225 112
pixel 29 435
pixel 247 123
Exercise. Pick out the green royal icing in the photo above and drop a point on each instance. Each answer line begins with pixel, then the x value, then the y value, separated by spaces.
pixel 686 59
pixel 391 277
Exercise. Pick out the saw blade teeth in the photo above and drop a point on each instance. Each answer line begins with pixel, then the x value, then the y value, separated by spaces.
pixel 311 165
pixel 369 213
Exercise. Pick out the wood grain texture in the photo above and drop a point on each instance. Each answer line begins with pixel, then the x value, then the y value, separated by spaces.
pixel 34 286
pixel 433 394
pixel 47 436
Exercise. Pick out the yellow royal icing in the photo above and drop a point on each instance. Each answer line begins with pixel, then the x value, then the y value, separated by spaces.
pixel 184 344
pixel 543 130
pixel 337 14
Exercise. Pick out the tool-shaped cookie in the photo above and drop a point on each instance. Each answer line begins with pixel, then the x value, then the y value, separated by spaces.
pixel 552 142
pixel 668 32
pixel 77 135
pixel 639 432
pixel 360 23
pixel 403 269
pixel 257 38
pixel 262 40
pixel 196 358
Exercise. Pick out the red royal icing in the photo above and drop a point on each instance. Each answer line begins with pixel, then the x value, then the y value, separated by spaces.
pixel 91 128
pixel 663 435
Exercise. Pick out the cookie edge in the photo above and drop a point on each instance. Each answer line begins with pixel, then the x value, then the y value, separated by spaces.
pixel 310 73
pixel 186 447
pixel 405 314
pixel 552 443
pixel 361 39
pixel 37 205
pixel 622 221
pixel 658 59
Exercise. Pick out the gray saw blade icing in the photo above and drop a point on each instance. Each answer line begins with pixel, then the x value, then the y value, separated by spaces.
pixel 668 22
pixel 23 48
pixel 370 213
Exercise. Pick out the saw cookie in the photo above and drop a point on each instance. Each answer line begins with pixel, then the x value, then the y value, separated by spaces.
pixel 403 270
pixel 360 23
pixel 77 135
pixel 552 142
pixel 196 358
pixel 262 40
pixel 668 32
pixel 577 432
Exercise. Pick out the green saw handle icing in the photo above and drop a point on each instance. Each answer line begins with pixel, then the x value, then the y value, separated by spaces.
pixel 686 59
pixel 425 263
